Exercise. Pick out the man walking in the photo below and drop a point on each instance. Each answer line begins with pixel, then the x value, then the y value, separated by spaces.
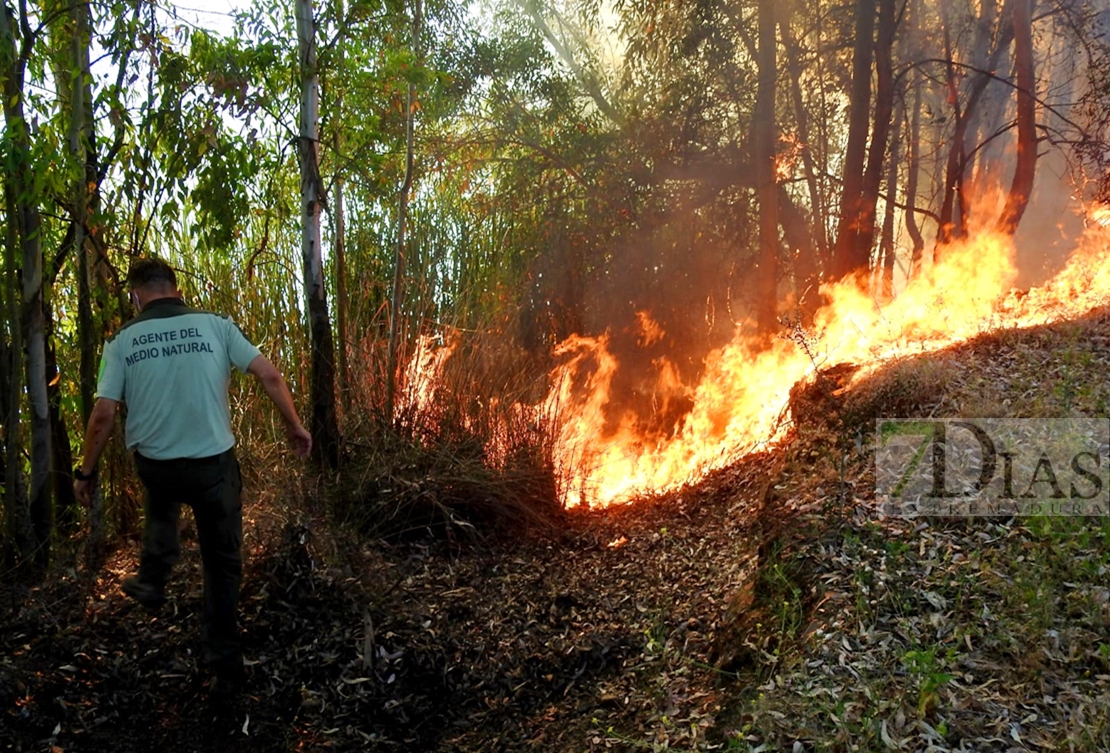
pixel 172 365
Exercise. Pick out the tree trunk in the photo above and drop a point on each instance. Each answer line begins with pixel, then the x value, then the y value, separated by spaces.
pixel 880 132
pixel 988 115
pixel 17 533
pixel 325 433
pixel 62 486
pixel 16 513
pixel 1025 169
pixel 913 157
pixel 846 257
pixel 341 248
pixel 396 308
pixel 81 136
pixel 72 75
pixel 886 240
pixel 763 131
pixel 341 291
pixel 801 119
pixel 28 223
pixel 952 224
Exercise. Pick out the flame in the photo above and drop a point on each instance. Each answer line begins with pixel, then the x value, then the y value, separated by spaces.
pixel 740 400
pixel 650 331
pixel 787 157
pixel 605 454
pixel 423 375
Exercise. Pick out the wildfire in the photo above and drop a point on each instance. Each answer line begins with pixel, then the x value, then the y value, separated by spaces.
pixel 605 454
pixel 739 403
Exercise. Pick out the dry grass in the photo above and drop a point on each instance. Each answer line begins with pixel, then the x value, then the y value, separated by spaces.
pixel 463 452
pixel 933 633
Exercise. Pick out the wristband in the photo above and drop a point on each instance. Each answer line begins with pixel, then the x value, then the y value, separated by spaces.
pixel 80 476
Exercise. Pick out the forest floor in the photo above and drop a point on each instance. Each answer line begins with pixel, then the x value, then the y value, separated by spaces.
pixel 770 607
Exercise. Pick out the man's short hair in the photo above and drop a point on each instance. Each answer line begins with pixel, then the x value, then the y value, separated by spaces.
pixel 149 271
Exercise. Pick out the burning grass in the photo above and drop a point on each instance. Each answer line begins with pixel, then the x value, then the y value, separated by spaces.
pixel 481 432
pixel 460 454
pixel 608 454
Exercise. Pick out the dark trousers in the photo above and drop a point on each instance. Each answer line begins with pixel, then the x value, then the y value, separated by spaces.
pixel 212 487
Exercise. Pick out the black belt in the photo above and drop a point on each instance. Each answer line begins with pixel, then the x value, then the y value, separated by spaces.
pixel 185 462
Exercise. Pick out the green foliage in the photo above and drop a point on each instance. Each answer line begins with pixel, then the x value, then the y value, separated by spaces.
pixel 926 667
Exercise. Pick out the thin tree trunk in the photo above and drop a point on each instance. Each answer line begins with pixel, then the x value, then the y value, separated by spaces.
pixel 325 433
pixel 913 157
pixel 913 168
pixel 41 502
pixel 951 225
pixel 81 136
pixel 1025 169
pixel 823 140
pixel 880 131
pixel 86 202
pixel 62 486
pixel 766 189
pixel 28 224
pixel 72 73
pixel 341 250
pixel 16 513
pixel 801 119
pixel 17 530
pixel 341 303
pixel 886 241
pixel 846 259
pixel 977 56
pixel 396 332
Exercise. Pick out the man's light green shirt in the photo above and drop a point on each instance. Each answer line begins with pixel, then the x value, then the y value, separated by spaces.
pixel 172 366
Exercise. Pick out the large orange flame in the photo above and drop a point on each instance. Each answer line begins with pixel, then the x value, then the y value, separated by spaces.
pixel 739 403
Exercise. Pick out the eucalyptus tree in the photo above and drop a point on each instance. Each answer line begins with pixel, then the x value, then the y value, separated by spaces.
pixel 395 330
pixel 864 155
pixel 964 92
pixel 1021 187
pixel 763 155
pixel 324 430
pixel 81 132
pixel 20 34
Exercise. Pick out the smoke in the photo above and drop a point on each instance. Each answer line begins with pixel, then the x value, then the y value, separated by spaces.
pixel 1053 223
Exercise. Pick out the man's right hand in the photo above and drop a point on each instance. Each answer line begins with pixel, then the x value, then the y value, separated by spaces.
pixel 278 392
pixel 82 489
pixel 300 439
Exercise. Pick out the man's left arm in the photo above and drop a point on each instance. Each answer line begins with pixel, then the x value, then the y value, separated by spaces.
pixel 99 430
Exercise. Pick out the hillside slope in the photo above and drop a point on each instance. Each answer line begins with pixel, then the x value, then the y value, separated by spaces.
pixel 767 608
